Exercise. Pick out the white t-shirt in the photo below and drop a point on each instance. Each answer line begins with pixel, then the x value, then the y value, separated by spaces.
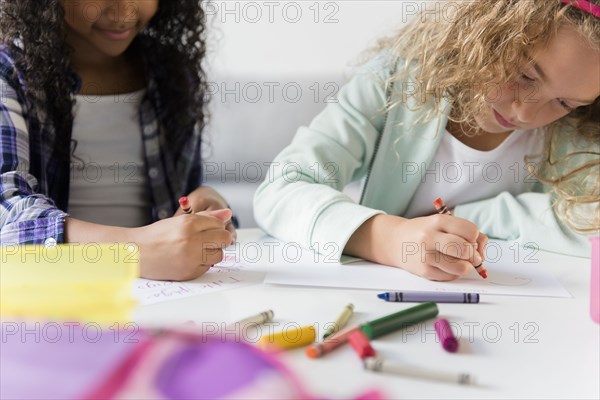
pixel 460 174
pixel 108 173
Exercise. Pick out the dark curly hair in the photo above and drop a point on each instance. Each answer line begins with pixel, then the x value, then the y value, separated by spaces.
pixel 175 37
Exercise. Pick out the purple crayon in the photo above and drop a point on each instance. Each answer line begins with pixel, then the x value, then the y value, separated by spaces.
pixel 424 297
pixel 447 338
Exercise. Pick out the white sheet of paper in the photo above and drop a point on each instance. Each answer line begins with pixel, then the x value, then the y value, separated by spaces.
pixel 512 270
pixel 228 274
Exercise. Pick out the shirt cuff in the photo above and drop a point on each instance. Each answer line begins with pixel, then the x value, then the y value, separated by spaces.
pixel 48 231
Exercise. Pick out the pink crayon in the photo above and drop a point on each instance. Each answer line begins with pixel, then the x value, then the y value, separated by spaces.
pixel 447 338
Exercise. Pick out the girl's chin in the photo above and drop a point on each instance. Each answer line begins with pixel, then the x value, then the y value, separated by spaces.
pixel 499 132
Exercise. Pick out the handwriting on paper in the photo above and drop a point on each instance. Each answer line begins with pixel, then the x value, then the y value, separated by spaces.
pixel 226 275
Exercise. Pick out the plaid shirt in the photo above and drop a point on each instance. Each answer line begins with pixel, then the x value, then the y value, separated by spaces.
pixel 34 184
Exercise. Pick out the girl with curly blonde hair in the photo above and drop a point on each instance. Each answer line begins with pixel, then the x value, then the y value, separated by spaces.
pixel 493 105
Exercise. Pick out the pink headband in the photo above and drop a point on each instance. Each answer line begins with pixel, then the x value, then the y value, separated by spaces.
pixel 584 5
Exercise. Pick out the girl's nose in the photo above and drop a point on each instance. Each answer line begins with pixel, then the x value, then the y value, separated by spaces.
pixel 121 11
pixel 526 111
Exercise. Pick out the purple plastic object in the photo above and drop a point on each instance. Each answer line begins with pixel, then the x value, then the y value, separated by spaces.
pixel 447 338
pixel 213 370
pixel 52 360
pixel 86 363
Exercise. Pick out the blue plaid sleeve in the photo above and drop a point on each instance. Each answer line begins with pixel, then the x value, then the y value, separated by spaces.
pixel 26 217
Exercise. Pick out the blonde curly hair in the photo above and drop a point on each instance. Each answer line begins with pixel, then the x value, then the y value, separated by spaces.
pixel 457 51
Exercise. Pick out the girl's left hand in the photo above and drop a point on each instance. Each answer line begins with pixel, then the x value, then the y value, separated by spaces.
pixel 208 199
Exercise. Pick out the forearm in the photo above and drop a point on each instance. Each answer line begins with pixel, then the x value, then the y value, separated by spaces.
pixel 370 239
pixel 437 247
pixel 78 231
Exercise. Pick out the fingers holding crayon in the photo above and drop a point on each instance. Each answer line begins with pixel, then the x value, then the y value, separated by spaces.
pixel 449 247
pixel 203 198
pixel 182 248
pixel 442 267
pixel 226 216
pixel 480 239
pixel 206 201
pixel 438 247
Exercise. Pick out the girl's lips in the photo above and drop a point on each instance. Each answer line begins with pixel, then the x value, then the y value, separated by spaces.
pixel 115 35
pixel 502 121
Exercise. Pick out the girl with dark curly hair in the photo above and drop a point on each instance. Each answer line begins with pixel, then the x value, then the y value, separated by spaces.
pixel 101 113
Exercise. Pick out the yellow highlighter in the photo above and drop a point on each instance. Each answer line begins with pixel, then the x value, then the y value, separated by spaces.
pixel 90 282
pixel 289 338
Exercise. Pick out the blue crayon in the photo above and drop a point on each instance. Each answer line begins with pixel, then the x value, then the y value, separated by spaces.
pixel 423 297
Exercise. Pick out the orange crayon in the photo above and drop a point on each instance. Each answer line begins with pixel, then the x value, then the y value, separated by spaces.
pixel 332 342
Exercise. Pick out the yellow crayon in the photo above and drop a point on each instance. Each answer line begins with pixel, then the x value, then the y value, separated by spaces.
pixel 289 338
pixel 341 321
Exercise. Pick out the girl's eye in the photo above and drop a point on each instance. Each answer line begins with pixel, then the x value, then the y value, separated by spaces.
pixel 527 78
pixel 565 105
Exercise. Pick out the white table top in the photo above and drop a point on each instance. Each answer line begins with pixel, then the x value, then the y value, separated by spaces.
pixel 516 347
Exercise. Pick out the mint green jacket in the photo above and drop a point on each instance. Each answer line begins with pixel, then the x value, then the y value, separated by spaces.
pixel 353 139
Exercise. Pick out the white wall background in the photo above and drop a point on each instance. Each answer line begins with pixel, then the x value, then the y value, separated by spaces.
pixel 273 65
pixel 305 37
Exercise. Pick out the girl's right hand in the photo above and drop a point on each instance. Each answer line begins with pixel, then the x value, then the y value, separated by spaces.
pixel 439 247
pixel 436 247
pixel 183 247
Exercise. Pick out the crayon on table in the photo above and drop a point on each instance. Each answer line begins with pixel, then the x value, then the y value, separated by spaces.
pixel 341 321
pixel 379 365
pixel 441 208
pixel 360 343
pixel 393 322
pixel 262 318
pixel 332 342
pixel 289 338
pixel 185 205
pixel 446 336
pixel 437 297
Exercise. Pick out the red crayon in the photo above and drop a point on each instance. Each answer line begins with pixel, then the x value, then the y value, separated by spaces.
pixel 360 343
pixel 443 209
pixel 185 205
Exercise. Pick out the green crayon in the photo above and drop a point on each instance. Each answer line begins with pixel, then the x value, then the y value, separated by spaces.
pixel 393 322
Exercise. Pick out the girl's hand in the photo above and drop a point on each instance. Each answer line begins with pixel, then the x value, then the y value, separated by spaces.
pixel 207 199
pixel 482 241
pixel 183 247
pixel 436 247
